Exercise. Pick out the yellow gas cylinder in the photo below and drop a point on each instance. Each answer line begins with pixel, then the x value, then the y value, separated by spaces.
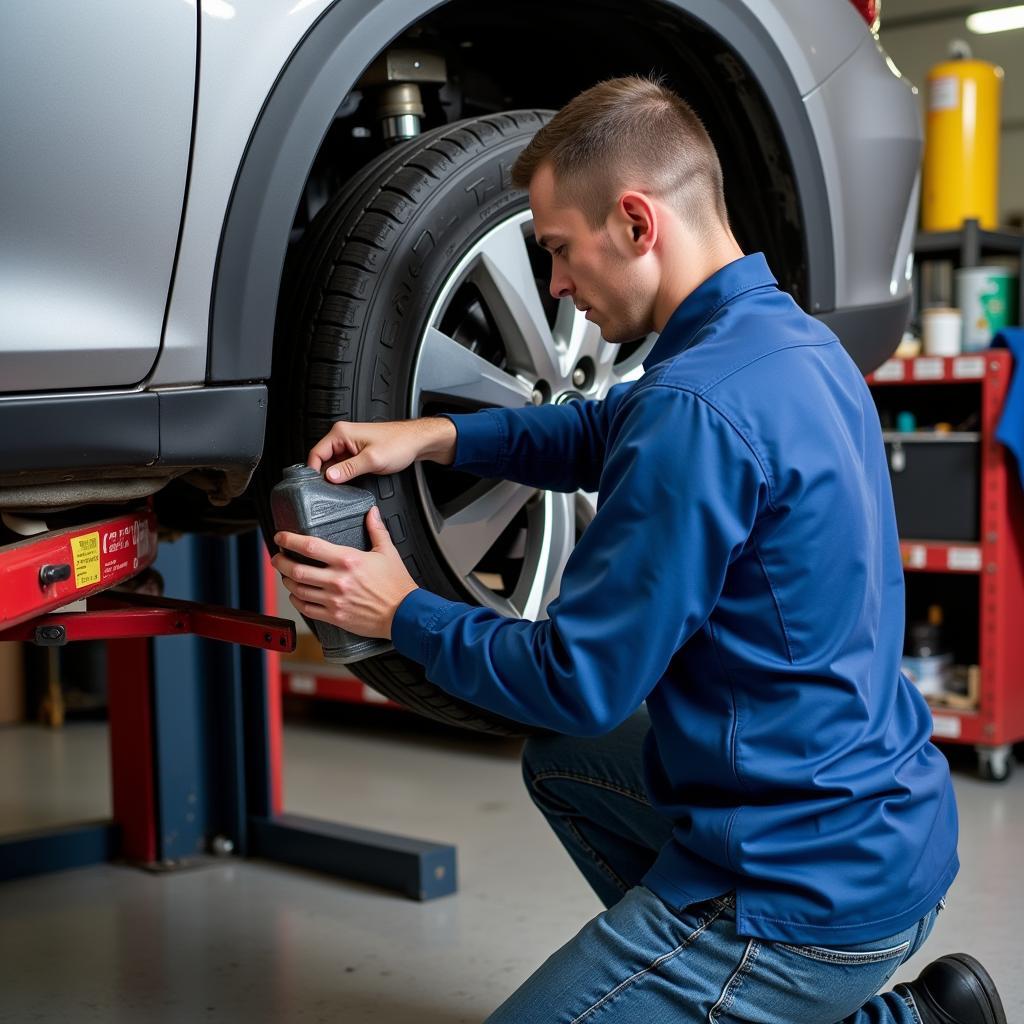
pixel 961 145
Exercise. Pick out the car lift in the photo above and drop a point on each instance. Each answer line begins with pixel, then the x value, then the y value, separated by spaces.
pixel 195 726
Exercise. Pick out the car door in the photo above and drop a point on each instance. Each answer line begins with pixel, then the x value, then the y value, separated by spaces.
pixel 96 103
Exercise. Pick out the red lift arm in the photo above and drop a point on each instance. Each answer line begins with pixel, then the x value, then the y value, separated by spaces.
pixel 42 574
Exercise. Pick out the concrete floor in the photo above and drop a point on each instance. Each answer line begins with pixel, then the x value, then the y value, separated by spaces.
pixel 52 777
pixel 248 941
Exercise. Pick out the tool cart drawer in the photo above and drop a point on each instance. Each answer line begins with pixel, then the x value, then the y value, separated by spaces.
pixel 934 483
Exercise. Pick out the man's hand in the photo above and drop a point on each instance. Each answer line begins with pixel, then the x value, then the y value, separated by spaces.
pixel 357 590
pixel 353 449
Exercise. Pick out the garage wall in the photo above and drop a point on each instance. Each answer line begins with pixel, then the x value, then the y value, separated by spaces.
pixel 915 48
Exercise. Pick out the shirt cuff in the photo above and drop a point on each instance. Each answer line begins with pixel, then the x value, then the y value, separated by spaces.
pixel 481 440
pixel 416 618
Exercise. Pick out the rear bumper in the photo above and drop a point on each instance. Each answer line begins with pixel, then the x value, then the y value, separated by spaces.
pixel 868 128
pixel 869 333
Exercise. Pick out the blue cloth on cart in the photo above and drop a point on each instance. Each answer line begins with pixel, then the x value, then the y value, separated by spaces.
pixel 1011 424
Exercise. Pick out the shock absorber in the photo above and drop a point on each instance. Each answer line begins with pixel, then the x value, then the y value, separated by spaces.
pixel 397 76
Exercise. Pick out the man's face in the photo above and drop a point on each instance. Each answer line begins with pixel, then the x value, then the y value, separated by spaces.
pixel 589 267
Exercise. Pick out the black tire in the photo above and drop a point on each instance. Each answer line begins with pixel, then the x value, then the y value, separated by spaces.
pixel 361 289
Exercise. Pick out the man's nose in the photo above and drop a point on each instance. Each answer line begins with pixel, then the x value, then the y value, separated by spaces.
pixel 561 286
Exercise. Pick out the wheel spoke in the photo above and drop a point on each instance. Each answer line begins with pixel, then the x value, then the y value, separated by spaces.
pixel 450 370
pixel 586 505
pixel 631 368
pixel 505 278
pixel 548 550
pixel 578 336
pixel 605 356
pixel 471 524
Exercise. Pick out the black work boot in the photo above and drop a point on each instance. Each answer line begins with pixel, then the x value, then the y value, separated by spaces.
pixel 956 989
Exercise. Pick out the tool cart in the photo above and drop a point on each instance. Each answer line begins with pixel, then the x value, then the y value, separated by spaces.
pixel 960 514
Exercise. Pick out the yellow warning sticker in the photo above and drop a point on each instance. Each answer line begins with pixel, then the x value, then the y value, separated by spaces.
pixel 86 553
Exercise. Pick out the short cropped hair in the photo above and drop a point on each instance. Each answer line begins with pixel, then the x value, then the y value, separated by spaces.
pixel 625 133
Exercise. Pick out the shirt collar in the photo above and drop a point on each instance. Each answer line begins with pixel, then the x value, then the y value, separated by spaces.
pixel 678 334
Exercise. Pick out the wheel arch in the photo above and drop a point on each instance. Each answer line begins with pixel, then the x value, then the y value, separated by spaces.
pixel 324 65
pixel 327 62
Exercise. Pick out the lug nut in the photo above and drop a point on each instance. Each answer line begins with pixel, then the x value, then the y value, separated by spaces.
pixel 538 396
pixel 579 377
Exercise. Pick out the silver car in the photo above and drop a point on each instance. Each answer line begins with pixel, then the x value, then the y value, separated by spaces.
pixel 225 224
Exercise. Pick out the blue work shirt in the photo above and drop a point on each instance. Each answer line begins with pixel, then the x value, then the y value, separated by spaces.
pixel 743 576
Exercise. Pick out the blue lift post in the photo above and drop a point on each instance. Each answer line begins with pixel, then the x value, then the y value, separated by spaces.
pixel 417 868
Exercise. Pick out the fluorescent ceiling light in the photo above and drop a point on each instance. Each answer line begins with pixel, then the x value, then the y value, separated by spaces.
pixel 1000 20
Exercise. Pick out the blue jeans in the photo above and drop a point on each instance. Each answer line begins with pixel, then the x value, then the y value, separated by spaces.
pixel 644 962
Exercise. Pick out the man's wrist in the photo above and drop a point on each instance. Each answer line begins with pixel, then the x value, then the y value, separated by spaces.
pixel 440 441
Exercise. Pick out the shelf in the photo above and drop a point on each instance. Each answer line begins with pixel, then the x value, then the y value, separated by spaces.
pixel 939 369
pixel 941 556
pixel 931 436
pixel 967 246
pixel 951 243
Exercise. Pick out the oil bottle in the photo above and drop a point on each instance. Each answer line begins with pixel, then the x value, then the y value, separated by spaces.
pixel 304 502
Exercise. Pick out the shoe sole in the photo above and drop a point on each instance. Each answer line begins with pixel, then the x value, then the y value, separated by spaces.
pixel 986 987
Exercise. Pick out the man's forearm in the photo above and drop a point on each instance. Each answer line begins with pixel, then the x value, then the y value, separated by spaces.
pixel 552 447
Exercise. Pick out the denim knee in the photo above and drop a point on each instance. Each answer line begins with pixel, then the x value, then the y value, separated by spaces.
pixel 546 753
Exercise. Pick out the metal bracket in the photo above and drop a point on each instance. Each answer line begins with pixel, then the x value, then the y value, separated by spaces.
pixel 119 615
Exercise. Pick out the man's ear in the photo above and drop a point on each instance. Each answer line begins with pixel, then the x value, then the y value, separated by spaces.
pixel 638 217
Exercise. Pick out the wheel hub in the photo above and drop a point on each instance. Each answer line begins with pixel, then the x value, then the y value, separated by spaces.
pixel 569 396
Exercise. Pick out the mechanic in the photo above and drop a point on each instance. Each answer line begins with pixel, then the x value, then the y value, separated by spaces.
pixel 773 835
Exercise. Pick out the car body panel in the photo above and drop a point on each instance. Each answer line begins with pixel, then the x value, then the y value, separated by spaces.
pixel 271 77
pixel 247 51
pixel 793 49
pixel 813 38
pixel 245 47
pixel 96 104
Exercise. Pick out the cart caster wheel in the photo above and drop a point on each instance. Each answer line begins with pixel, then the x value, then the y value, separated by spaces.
pixel 995 764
